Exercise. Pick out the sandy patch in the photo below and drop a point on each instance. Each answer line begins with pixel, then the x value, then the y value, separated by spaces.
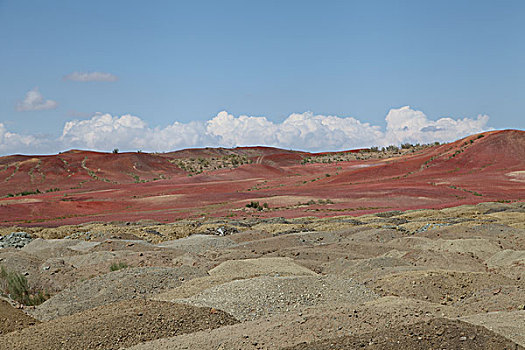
pixel 518 176
pixel 284 200
pixel 161 198
pixel 20 201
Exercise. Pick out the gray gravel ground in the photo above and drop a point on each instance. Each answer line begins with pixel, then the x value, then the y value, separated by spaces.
pixel 112 287
pixel 198 243
pixel 253 298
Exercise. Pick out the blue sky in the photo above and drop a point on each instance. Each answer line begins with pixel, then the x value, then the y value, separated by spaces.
pixel 173 66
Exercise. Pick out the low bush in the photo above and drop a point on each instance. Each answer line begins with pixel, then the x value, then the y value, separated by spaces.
pixel 118 266
pixel 15 285
pixel 256 205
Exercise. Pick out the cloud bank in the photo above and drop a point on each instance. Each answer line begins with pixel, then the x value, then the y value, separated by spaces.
pixel 302 131
pixel 34 101
pixel 90 76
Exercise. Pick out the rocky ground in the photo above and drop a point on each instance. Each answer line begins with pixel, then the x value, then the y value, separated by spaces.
pixel 421 279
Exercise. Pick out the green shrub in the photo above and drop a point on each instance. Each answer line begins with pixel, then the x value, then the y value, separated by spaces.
pixel 392 148
pixel 15 285
pixel 254 205
pixel 118 266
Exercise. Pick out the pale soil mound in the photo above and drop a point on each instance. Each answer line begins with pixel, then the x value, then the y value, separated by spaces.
pixel 49 248
pixel 481 248
pixel 258 267
pixel 249 235
pixel 12 319
pixel 252 298
pixel 112 287
pixel 364 270
pixel 198 243
pixel 496 232
pixel 510 218
pixel 509 324
pixel 375 235
pixel 440 260
pixel 116 325
pixel 464 290
pixel 436 334
pixel 323 253
pixel 21 262
pixel 273 244
pixel 510 263
pixel 234 270
pixel 355 267
pixel 507 258
pixel 192 287
pixel 56 273
pixel 88 259
pixel 312 324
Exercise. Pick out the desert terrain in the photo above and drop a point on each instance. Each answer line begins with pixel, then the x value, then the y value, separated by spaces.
pixel 78 186
pixel 419 247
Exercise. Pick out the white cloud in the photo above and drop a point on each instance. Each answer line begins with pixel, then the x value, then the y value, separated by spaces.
pixel 244 130
pixel 104 130
pixel 11 143
pixel 407 125
pixel 303 131
pixel 34 101
pixel 299 131
pixel 91 76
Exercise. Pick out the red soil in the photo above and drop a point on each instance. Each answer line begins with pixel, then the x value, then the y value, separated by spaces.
pixel 132 186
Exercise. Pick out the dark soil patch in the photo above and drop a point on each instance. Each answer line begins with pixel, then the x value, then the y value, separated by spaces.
pixel 117 326
pixel 439 333
pixel 12 319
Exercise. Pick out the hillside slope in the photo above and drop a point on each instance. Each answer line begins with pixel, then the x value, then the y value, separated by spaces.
pixel 78 186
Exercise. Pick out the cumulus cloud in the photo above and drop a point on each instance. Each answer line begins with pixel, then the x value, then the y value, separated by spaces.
pixel 34 101
pixel 302 131
pixel 407 125
pixel 91 76
pixel 299 131
pixel 15 143
pixel 104 132
pixel 305 131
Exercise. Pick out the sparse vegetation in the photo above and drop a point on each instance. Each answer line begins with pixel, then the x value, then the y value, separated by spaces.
pixel 364 154
pixel 15 286
pixel 26 193
pixel 118 266
pixel 325 201
pixel 257 205
pixel 465 190
pixel 115 150
pixel 199 165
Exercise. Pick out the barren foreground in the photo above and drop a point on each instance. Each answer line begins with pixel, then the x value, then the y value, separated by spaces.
pixel 422 279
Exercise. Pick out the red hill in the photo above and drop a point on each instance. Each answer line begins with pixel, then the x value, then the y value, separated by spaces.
pixel 78 186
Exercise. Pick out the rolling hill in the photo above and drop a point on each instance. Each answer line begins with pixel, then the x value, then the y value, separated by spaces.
pixel 79 186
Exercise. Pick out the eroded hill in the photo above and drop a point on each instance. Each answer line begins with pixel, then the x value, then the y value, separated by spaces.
pixel 80 186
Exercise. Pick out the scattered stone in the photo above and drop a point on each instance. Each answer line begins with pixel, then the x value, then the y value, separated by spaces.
pixel 15 240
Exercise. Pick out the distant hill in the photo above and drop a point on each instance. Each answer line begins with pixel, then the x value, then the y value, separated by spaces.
pixel 77 186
